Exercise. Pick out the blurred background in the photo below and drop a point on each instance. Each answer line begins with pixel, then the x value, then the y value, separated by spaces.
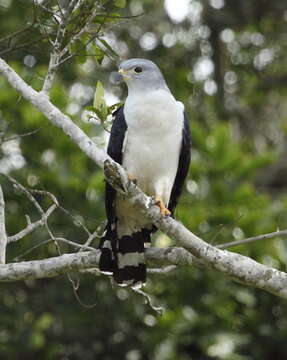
pixel 226 61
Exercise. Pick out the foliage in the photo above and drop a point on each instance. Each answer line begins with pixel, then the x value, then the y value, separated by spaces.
pixel 226 62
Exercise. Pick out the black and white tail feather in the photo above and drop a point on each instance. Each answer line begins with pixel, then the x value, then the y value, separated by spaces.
pixel 124 256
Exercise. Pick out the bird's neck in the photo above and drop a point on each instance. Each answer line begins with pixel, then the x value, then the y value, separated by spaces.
pixel 138 90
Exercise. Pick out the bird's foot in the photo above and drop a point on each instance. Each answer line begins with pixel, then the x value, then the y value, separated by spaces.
pixel 162 209
pixel 132 179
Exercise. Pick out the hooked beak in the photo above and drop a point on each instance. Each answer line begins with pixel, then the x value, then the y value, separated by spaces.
pixel 124 74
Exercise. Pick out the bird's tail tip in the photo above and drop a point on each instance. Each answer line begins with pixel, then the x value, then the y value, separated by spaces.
pixel 124 257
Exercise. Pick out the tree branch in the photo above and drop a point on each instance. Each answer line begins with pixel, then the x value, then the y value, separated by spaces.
pixel 238 267
pixel 41 102
pixel 54 266
pixel 52 68
pixel 51 267
pixel 31 226
pixel 57 44
pixel 3 235
pixel 253 238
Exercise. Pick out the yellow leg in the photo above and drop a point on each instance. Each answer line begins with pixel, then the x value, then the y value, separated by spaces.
pixel 163 210
pixel 132 179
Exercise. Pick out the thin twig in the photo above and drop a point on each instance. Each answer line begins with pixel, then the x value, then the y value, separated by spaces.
pixel 158 310
pixel 21 135
pixel 75 287
pixel 37 206
pixel 96 234
pixel 252 239
pixel 21 46
pixel 45 242
pixel 65 211
pixel 26 192
pixel 15 33
pixel 76 37
pixel 32 226
pixel 21 256
pixel 54 58
pixel 72 243
pixel 56 54
pixel 36 3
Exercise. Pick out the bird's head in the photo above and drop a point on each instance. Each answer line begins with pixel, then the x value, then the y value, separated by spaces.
pixel 141 74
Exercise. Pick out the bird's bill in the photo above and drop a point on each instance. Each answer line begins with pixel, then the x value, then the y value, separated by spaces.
pixel 124 74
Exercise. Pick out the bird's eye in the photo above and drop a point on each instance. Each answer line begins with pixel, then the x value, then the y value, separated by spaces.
pixel 138 69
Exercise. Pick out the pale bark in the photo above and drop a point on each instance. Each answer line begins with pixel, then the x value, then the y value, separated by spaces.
pixel 3 235
pixel 31 226
pixel 238 267
pixel 41 102
pixel 55 266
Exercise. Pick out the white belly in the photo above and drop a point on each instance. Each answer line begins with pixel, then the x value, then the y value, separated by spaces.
pixel 153 140
pixel 150 151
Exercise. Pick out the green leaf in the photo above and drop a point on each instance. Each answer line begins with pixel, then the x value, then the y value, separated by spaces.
pixel 98 53
pixel 89 108
pixel 102 19
pixel 99 101
pixel 75 47
pixel 120 3
pixel 99 104
pixel 114 106
pixel 100 114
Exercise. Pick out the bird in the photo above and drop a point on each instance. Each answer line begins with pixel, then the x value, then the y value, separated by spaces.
pixel 150 138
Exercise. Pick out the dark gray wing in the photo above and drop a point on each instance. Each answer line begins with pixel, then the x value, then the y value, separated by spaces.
pixel 115 147
pixel 183 166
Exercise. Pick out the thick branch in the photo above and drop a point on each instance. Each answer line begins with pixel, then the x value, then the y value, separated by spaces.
pixel 237 266
pixel 47 268
pixel 55 266
pixel 234 265
pixel 3 235
pixel 53 114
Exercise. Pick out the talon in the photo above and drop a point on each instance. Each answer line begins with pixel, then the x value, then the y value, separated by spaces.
pixel 132 179
pixel 162 209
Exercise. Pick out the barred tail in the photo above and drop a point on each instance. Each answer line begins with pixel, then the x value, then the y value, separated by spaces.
pixel 124 257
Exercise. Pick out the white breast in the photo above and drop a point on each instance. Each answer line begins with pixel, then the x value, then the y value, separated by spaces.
pixel 153 140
